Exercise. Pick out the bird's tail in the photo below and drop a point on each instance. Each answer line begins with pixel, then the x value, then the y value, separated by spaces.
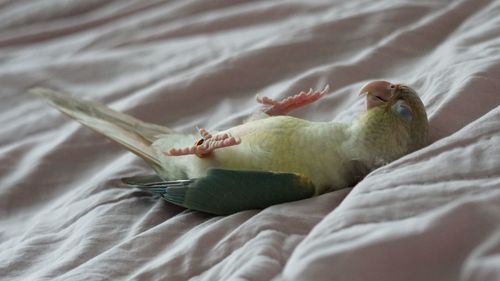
pixel 135 135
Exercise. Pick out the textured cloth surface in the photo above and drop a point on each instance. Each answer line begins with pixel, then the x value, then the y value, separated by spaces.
pixel 431 215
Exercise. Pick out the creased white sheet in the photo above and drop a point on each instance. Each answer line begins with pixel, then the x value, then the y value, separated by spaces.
pixel 432 215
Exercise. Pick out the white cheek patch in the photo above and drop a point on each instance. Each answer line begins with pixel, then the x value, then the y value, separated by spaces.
pixel 403 110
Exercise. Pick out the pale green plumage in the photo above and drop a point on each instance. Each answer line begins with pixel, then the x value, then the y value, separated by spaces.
pixel 333 155
pixel 279 144
pixel 382 136
pixel 308 157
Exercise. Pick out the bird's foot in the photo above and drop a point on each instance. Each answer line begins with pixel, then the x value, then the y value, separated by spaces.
pixel 289 104
pixel 204 146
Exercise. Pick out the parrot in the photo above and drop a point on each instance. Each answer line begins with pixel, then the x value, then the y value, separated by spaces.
pixel 271 158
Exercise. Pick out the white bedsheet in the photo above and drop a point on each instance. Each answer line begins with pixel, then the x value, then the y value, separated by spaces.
pixel 432 215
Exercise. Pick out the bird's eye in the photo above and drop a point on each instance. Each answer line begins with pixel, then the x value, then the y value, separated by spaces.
pixel 403 110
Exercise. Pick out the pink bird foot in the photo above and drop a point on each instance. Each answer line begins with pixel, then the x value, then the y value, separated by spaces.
pixel 285 106
pixel 204 146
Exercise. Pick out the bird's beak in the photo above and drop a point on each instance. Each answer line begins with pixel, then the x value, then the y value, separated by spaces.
pixel 379 93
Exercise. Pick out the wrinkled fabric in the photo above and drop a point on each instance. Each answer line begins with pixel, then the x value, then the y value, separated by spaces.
pixel 431 215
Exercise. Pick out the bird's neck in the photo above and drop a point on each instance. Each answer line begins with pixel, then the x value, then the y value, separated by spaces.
pixel 377 137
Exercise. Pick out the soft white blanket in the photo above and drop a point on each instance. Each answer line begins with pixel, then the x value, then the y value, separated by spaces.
pixel 432 215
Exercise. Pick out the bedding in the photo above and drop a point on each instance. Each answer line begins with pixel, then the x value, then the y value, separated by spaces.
pixel 64 215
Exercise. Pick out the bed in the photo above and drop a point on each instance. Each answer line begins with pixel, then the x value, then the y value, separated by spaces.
pixel 431 215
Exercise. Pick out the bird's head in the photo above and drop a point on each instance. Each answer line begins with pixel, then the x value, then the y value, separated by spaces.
pixel 403 103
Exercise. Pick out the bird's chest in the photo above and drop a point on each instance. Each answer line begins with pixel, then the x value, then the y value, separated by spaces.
pixel 269 145
pixel 310 149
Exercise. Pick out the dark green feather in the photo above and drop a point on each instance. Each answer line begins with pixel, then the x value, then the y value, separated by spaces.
pixel 143 180
pixel 223 192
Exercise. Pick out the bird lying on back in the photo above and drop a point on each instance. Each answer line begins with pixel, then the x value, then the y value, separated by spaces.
pixel 268 160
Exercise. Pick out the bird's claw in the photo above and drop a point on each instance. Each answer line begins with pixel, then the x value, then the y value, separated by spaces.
pixel 289 104
pixel 204 146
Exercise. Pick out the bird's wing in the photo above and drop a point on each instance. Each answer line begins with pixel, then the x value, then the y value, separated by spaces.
pixel 135 135
pixel 223 192
pixel 147 180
